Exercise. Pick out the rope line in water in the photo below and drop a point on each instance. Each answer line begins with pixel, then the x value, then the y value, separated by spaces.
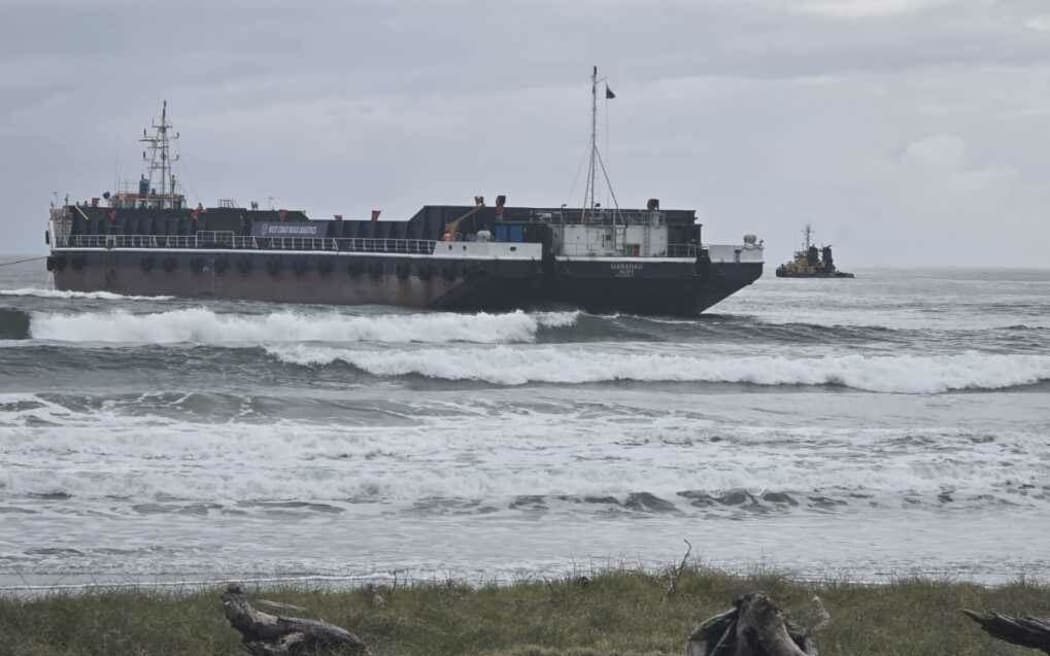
pixel 22 261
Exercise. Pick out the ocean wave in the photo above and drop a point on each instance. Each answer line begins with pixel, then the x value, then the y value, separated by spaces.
pixel 203 326
pixel 909 374
pixel 99 296
pixel 175 457
pixel 747 329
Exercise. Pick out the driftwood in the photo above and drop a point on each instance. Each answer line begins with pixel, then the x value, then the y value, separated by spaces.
pixel 676 572
pixel 1026 631
pixel 264 634
pixel 755 626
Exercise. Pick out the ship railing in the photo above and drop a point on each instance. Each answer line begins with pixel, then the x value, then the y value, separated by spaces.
pixel 682 250
pixel 600 216
pixel 351 244
pixel 215 238
pixel 227 240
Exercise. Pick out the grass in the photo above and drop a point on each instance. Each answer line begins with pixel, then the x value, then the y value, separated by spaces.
pixel 616 612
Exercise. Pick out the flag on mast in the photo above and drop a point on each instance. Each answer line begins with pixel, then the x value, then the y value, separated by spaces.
pixel 609 95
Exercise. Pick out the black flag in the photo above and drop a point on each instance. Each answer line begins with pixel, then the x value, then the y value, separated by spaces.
pixel 609 95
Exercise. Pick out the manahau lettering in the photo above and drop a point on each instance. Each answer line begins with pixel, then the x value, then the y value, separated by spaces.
pixel 625 269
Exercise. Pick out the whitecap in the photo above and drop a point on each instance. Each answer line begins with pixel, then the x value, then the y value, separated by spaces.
pixel 203 326
pixel 509 365
pixel 98 296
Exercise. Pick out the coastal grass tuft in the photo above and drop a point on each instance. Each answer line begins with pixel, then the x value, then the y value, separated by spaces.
pixel 623 612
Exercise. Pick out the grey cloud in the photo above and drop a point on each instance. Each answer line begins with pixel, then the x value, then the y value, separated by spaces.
pixel 762 114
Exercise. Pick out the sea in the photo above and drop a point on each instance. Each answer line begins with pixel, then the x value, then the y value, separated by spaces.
pixel 890 426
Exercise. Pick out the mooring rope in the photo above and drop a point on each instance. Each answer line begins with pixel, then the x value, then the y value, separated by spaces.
pixel 31 259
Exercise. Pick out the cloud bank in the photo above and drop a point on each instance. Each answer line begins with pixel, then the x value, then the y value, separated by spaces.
pixel 909 132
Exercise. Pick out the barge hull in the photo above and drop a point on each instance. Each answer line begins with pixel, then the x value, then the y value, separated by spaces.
pixel 680 288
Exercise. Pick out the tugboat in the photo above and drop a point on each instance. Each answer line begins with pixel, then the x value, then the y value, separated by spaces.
pixel 811 262
pixel 148 240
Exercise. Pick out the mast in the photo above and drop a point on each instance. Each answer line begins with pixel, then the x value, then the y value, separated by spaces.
pixel 807 235
pixel 596 163
pixel 588 194
pixel 159 159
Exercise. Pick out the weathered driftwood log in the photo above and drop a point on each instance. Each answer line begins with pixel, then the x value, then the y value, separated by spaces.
pixel 755 626
pixel 675 573
pixel 264 634
pixel 1031 632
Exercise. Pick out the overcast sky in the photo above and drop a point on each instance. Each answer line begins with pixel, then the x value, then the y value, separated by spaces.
pixel 909 132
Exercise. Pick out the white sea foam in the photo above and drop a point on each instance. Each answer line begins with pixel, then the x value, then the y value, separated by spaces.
pixel 100 296
pixel 202 326
pixel 507 365
pixel 171 462
pixel 77 463
pixel 75 472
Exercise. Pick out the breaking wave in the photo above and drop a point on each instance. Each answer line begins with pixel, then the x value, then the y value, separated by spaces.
pixel 908 374
pixel 64 448
pixel 99 296
pixel 67 446
pixel 202 326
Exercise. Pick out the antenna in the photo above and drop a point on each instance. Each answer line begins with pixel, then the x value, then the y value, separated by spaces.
pixel 588 193
pixel 158 156
pixel 590 203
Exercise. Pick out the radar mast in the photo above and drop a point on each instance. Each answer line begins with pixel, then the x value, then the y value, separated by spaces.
pixel 159 162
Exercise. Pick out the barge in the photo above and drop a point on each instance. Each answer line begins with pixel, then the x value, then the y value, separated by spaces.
pixel 472 257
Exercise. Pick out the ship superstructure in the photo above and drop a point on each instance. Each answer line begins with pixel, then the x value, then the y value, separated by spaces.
pixel 476 257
